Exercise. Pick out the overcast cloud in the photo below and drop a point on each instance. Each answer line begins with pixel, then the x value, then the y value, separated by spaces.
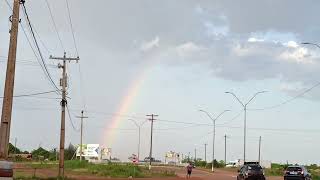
pixel 193 50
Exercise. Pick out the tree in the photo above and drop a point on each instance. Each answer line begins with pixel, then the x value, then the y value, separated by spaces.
pixel 40 153
pixel 53 155
pixel 69 152
pixel 25 152
pixel 13 150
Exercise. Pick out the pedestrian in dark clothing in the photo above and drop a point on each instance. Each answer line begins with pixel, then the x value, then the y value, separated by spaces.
pixel 189 170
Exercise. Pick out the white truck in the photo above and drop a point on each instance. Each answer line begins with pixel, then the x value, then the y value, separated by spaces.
pixel 239 162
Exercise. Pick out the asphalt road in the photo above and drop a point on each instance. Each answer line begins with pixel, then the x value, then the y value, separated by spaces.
pixel 217 175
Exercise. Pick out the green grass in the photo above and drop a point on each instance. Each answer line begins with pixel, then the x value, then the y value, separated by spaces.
pixel 274 172
pixel 106 170
pixel 279 170
pixel 36 178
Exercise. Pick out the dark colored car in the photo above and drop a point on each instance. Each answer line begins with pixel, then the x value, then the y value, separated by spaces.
pixel 297 173
pixel 251 172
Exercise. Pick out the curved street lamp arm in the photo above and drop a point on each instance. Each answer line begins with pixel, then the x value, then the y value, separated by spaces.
pixel 317 45
pixel 236 98
pixel 134 122
pixel 207 114
pixel 255 95
pixel 143 122
pixel 221 114
pixel 214 119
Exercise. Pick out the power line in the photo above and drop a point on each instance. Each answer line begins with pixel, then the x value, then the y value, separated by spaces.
pixel 25 60
pixel 180 122
pixel 82 90
pixel 43 44
pixel 9 5
pixel 71 122
pixel 38 48
pixel 231 120
pixel 29 42
pixel 33 94
pixel 72 30
pixel 176 128
pixel 238 127
pixel 29 63
pixel 289 100
pixel 54 25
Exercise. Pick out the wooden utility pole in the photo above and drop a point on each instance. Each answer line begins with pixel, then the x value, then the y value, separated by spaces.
pixel 195 155
pixel 81 132
pixel 9 82
pixel 63 83
pixel 151 119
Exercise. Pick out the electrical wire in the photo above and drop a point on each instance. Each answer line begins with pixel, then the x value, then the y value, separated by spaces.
pixel 30 44
pixel 70 119
pixel 38 48
pixel 54 25
pixel 33 94
pixel 82 89
pixel 72 30
pixel 9 4
pixel 238 127
pixel 42 43
pixel 231 120
pixel 29 63
pixel 177 128
pixel 289 100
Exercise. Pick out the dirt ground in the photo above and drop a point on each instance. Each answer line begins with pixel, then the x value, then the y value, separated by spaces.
pixel 181 174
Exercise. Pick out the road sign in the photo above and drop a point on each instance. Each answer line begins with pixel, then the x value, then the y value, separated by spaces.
pixel 89 150
pixel 135 159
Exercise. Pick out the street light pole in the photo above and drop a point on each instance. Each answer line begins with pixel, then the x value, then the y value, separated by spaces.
pixel 214 132
pixel 244 105
pixel 139 131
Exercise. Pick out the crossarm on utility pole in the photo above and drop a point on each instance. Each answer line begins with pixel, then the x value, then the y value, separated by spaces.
pixel 64 59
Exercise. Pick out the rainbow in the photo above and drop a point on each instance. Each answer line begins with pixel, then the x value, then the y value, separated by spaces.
pixel 109 134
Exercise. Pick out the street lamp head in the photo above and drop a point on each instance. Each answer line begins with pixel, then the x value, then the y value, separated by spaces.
pixel 309 43
pixel 227 92
pixel 263 91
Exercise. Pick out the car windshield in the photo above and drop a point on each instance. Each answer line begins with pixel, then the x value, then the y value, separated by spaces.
pixel 254 168
pixel 294 169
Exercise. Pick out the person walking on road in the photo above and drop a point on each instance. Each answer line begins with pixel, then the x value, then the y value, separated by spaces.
pixel 189 170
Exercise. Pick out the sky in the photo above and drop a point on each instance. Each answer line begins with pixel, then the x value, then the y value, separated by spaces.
pixel 172 58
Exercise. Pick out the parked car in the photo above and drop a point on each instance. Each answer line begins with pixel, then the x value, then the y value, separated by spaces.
pixel 297 172
pixel 251 171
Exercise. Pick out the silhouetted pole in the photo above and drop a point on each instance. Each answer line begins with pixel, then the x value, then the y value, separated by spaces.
pixel 9 82
pixel 205 152
pixel 152 119
pixel 63 83
pixel 259 158
pixel 81 132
